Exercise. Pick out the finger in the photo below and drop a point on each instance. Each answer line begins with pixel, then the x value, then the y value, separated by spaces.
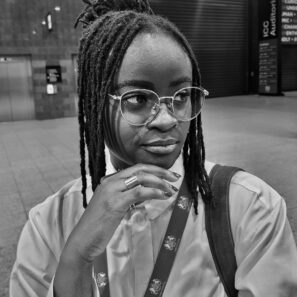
pixel 152 169
pixel 140 194
pixel 150 181
pixel 107 176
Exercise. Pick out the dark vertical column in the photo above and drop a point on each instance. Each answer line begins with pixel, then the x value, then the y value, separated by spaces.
pixel 269 12
pixel 253 46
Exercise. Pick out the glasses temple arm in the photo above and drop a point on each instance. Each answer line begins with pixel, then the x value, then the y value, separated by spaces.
pixel 114 97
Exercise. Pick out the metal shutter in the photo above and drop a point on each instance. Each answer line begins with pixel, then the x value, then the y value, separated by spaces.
pixel 289 68
pixel 218 33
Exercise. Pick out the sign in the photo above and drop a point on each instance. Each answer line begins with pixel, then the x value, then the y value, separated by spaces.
pixel 49 21
pixel 51 89
pixel 268 67
pixel 53 74
pixel 269 47
pixel 289 22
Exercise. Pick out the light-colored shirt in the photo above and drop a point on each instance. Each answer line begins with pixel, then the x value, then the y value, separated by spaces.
pixel 265 250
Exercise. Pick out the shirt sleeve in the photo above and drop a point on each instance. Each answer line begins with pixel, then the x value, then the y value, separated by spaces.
pixel 42 241
pixel 265 249
pixel 35 265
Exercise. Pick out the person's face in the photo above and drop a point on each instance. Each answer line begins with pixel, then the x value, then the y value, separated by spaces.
pixel 158 63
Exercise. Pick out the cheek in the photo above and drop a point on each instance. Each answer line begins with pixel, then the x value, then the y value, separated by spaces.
pixel 120 137
pixel 184 128
pixel 110 122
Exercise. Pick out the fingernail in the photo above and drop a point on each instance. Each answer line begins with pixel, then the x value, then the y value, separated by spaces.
pixel 168 194
pixel 176 174
pixel 173 188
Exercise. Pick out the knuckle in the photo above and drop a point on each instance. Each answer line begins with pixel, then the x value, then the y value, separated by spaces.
pixel 138 192
pixel 140 175
pixel 157 193
pixel 103 180
pixel 140 167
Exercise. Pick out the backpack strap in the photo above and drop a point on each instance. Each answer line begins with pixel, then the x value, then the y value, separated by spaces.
pixel 218 227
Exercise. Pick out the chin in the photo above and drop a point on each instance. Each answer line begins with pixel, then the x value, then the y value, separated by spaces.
pixel 164 161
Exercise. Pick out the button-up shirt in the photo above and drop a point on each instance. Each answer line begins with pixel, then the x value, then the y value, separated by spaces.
pixel 265 250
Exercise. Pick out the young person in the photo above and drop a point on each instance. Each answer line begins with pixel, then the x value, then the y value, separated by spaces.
pixel 140 99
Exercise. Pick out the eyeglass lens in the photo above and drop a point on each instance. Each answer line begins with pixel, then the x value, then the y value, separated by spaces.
pixel 139 106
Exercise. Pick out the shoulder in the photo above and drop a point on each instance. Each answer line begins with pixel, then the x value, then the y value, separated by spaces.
pixel 246 189
pixel 256 209
pixel 50 206
pixel 59 213
pixel 252 200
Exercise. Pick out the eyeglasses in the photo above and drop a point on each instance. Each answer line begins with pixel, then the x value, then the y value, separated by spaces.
pixel 141 106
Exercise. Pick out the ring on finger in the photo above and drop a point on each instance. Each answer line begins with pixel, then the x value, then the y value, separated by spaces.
pixel 131 182
pixel 132 207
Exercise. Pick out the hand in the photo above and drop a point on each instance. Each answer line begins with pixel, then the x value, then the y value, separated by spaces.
pixel 110 203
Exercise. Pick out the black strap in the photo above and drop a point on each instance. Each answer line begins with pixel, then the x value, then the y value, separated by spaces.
pixel 166 254
pixel 218 227
pixel 170 243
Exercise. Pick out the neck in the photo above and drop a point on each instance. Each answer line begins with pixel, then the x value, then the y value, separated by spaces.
pixel 117 163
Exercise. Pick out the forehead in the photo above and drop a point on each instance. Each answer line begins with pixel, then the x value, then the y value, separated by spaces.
pixel 156 58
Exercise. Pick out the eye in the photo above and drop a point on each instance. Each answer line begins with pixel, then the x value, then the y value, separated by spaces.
pixel 182 96
pixel 136 99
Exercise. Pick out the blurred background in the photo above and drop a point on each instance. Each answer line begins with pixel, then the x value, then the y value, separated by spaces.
pixel 247 53
pixel 38 51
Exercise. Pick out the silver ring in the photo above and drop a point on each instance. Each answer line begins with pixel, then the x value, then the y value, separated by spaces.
pixel 132 207
pixel 131 182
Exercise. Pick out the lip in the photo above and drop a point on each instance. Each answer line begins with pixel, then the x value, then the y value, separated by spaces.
pixel 161 142
pixel 161 147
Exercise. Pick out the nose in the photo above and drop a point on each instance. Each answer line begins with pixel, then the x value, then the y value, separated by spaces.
pixel 164 120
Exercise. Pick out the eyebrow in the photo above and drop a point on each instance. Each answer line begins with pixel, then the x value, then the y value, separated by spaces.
pixel 180 81
pixel 148 85
pixel 135 83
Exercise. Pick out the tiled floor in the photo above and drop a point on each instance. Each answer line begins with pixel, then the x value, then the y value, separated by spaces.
pixel 36 159
pixel 256 133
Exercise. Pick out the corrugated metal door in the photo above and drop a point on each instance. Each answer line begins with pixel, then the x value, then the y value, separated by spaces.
pixel 289 68
pixel 218 33
pixel 16 101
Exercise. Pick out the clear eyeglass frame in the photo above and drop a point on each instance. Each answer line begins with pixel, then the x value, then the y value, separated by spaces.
pixel 203 91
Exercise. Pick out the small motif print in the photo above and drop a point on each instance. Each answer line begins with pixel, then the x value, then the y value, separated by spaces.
pixel 155 286
pixel 183 202
pixel 101 279
pixel 170 243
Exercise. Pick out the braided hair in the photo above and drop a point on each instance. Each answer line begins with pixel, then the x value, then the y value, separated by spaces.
pixel 109 28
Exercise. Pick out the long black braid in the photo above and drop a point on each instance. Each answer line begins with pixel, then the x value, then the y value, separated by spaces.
pixel 110 26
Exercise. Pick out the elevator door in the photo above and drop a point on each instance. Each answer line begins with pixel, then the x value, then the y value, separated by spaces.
pixel 16 101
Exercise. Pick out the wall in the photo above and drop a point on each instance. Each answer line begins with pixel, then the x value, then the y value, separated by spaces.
pixel 22 33
pixel 223 34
